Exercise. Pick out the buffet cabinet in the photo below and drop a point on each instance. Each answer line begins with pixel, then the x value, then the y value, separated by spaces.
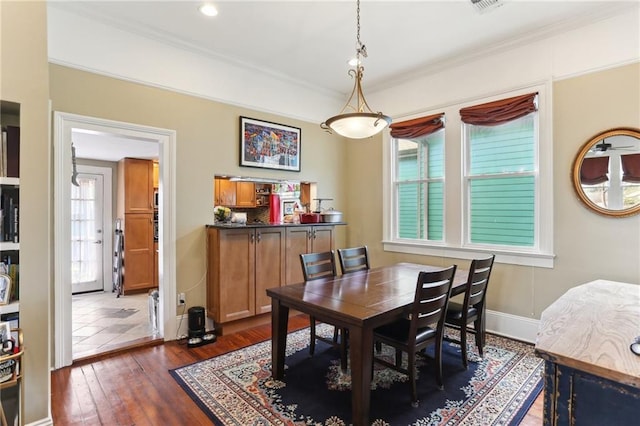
pixel 243 262
pixel 591 377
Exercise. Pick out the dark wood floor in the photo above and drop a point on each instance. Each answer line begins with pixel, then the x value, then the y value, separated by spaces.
pixel 134 387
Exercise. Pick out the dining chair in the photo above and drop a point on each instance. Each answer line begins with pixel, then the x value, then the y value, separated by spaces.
pixel 472 308
pixel 423 327
pixel 316 266
pixel 353 259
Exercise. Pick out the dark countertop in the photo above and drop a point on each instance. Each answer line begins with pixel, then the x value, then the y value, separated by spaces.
pixel 270 225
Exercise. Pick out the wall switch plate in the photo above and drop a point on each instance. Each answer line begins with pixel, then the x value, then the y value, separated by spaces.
pixel 181 299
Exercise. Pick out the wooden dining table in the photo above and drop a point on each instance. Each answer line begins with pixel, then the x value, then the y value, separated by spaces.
pixel 359 301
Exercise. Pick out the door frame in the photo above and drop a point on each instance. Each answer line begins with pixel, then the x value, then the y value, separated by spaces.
pixel 107 220
pixel 63 125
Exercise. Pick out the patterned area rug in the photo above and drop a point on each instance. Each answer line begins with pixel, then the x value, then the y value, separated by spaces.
pixel 237 388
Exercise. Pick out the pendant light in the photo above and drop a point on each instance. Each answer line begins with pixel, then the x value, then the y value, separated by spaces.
pixel 357 121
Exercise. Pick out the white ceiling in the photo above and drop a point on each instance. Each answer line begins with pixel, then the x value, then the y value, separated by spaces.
pixel 310 42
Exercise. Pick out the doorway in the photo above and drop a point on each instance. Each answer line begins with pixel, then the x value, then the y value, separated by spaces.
pixel 90 242
pixel 64 127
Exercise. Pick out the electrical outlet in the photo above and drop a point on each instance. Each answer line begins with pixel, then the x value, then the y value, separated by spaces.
pixel 181 299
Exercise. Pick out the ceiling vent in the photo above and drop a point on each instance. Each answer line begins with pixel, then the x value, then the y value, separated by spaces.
pixel 484 6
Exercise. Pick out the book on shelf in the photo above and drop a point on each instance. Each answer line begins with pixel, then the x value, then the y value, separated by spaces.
pixel 9 216
pixel 10 152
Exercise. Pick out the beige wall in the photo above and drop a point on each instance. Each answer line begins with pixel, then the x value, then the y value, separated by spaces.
pixel 587 246
pixel 207 144
pixel 24 79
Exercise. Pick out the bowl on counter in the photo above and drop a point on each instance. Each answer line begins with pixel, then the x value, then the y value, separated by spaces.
pixel 331 216
pixel 309 217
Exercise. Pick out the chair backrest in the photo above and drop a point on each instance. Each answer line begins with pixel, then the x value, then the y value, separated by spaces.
pixel 432 298
pixel 477 282
pixel 318 265
pixel 354 259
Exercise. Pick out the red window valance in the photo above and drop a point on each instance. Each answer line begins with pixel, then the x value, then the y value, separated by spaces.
pixel 417 127
pixel 630 168
pixel 499 112
pixel 594 170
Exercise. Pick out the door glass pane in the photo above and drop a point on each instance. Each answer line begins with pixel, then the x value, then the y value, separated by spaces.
pixel 84 265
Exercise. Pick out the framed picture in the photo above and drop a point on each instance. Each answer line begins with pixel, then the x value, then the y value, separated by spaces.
pixel 269 145
pixel 5 289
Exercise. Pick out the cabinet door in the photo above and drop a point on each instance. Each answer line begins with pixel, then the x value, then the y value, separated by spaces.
pixel 298 242
pixel 227 193
pixel 245 194
pixel 138 252
pixel 270 264
pixel 236 252
pixel 321 238
pixel 138 185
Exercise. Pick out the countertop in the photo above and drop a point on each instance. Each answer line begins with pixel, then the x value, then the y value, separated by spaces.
pixel 590 329
pixel 228 225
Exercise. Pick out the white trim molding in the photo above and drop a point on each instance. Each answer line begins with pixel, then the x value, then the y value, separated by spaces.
pixel 512 326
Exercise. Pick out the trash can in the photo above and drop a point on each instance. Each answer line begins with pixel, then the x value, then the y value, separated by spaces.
pixel 154 300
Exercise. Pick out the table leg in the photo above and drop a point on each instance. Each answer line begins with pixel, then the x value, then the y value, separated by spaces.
pixel 361 346
pixel 279 324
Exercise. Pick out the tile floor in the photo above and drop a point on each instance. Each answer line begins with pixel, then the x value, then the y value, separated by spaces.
pixel 102 322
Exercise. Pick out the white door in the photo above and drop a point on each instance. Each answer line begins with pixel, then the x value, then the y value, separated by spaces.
pixel 87 233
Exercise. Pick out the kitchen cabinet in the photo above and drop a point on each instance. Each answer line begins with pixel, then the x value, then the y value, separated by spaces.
pixel 234 194
pixel 156 175
pixel 245 194
pixel 242 264
pixel 138 252
pixel 137 181
pixel 135 207
pixel 305 239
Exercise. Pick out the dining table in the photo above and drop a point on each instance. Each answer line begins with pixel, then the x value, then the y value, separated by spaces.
pixel 359 301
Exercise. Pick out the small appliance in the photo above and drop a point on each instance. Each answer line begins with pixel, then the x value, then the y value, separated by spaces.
pixel 198 335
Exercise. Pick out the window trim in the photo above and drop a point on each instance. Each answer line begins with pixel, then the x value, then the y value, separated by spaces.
pixel 453 245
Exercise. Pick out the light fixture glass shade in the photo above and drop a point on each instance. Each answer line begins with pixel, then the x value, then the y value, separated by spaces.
pixel 358 125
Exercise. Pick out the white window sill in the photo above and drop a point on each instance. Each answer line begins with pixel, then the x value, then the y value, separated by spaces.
pixel 537 259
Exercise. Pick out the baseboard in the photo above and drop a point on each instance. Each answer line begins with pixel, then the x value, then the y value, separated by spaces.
pixel 500 323
pixel 47 421
pixel 512 326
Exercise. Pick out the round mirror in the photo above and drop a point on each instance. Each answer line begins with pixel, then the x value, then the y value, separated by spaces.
pixel 606 172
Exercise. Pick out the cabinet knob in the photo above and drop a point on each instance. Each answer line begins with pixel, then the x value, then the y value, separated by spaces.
pixel 259 236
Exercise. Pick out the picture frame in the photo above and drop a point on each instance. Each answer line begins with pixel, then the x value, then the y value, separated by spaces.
pixel 5 289
pixel 5 332
pixel 268 145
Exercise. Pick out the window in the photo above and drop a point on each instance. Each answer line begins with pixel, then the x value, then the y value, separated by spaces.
pixel 501 183
pixel 420 187
pixel 496 159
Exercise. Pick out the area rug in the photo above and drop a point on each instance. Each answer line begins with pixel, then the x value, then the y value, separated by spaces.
pixel 237 389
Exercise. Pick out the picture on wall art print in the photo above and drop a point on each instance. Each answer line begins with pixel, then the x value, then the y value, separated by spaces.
pixel 269 145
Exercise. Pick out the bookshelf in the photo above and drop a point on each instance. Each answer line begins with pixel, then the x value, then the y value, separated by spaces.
pixel 11 396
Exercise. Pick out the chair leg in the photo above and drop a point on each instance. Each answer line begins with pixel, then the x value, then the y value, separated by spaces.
pixel 312 344
pixel 438 360
pixel 378 347
pixel 480 337
pixel 398 357
pixel 411 355
pixel 463 345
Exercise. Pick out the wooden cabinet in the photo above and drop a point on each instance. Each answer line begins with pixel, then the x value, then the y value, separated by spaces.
pixel 137 184
pixel 305 239
pixel 234 194
pixel 590 375
pixel 135 207
pixel 245 194
pixel 138 252
pixel 156 174
pixel 243 263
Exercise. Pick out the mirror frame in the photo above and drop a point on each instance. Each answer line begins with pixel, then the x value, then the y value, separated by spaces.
pixel 577 163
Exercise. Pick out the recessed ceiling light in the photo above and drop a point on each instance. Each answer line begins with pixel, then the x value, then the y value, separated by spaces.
pixel 208 9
